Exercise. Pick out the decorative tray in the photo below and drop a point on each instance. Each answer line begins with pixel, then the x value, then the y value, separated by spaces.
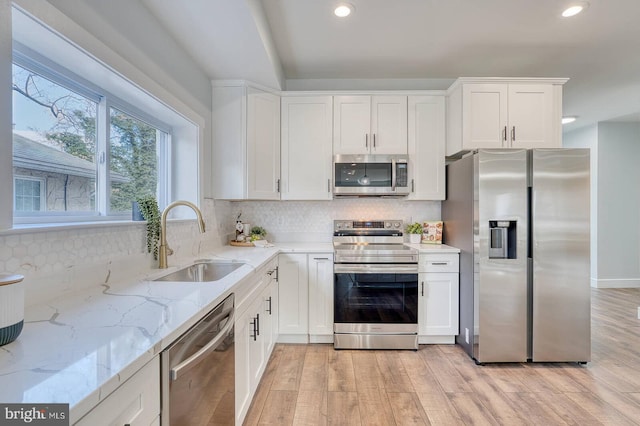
pixel 241 243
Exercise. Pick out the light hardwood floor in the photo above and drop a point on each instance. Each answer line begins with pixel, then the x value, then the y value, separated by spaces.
pixel 441 385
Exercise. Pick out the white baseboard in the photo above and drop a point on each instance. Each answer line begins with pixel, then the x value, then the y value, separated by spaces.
pixel 436 340
pixel 321 338
pixel 293 338
pixel 616 283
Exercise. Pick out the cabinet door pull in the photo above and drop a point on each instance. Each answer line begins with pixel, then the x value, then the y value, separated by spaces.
pixel 329 185
pixel 513 134
pixel 258 324
pixel 255 331
pixel 278 185
pixel 366 140
pixel 277 274
pixel 374 140
pixel 413 185
pixel 422 290
pixel 269 309
pixel 504 134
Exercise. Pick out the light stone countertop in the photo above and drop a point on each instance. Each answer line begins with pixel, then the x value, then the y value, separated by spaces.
pixel 78 349
pixel 433 248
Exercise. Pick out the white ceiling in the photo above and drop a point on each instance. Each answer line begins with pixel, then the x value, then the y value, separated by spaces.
pixel 279 43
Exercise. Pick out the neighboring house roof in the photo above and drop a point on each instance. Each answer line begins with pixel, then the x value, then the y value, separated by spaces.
pixel 29 154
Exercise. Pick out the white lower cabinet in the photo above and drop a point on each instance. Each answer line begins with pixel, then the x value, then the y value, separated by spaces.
pixel 256 331
pixel 293 295
pixel 135 402
pixel 438 298
pixel 321 298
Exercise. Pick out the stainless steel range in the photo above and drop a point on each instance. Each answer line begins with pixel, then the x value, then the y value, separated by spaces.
pixel 375 286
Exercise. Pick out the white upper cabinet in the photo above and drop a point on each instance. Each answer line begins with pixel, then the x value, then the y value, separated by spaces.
pixel 370 124
pixel 426 147
pixel 495 113
pixel 246 143
pixel 306 147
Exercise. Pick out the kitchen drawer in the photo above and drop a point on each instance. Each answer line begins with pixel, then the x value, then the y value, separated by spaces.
pixel 448 262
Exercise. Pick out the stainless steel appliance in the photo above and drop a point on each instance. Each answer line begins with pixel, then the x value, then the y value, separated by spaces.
pixel 198 380
pixel 370 175
pixel 521 220
pixel 375 286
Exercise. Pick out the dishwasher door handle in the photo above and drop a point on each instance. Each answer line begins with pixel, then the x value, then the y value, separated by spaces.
pixel 206 349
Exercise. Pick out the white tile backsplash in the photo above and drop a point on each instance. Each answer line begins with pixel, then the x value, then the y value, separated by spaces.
pixel 58 261
pixel 302 221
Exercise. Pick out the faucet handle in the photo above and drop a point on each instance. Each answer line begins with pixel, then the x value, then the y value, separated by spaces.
pixel 169 250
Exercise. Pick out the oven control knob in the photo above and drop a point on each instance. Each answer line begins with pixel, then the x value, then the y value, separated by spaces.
pixel 387 224
pixel 396 224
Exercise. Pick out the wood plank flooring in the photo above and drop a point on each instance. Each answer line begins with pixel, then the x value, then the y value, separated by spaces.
pixel 441 385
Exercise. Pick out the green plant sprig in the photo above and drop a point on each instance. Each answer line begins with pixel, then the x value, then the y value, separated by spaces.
pixel 151 213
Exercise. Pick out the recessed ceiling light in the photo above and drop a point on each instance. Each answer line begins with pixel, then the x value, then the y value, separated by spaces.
pixel 575 8
pixel 568 119
pixel 343 10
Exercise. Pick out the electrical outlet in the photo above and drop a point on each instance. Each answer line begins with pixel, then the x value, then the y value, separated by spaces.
pixel 466 334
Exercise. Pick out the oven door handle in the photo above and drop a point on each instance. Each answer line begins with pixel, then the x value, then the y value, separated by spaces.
pixel 206 349
pixel 375 269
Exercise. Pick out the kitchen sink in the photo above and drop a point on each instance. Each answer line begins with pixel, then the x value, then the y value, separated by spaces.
pixel 202 272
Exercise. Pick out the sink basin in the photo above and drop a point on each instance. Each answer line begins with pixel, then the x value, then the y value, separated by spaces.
pixel 202 272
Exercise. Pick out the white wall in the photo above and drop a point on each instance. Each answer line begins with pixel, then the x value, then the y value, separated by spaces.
pixel 615 150
pixel 6 173
pixel 618 204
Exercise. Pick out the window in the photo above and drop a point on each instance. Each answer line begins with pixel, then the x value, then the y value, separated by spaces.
pixel 29 194
pixel 55 139
pixel 87 139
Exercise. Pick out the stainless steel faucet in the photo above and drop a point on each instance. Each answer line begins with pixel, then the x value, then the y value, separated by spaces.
pixel 164 250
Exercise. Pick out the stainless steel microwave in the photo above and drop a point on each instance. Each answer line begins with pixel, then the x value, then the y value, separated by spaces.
pixel 370 175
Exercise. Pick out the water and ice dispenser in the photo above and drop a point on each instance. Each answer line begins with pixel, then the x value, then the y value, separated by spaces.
pixel 502 239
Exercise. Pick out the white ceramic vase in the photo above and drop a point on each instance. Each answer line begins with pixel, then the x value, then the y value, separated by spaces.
pixel 414 238
pixel 11 307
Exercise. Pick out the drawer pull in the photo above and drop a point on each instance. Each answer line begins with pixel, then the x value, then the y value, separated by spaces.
pixel 440 263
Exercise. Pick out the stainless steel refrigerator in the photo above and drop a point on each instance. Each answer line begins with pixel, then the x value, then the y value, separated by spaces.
pixel 521 220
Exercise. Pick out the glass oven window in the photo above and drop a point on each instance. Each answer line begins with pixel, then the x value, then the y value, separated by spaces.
pixel 363 174
pixel 376 298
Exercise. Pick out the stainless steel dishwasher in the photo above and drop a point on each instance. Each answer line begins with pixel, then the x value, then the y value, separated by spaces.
pixel 198 379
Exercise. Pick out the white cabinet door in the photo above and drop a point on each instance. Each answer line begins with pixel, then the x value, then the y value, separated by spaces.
pixel 307 148
pixel 243 338
pixel 351 124
pixel 263 145
pixel 269 324
pixel 293 298
pixel 531 116
pixel 388 125
pixel 135 402
pixel 321 298
pixel 246 143
pixel 484 113
pixel 438 304
pixel 427 147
